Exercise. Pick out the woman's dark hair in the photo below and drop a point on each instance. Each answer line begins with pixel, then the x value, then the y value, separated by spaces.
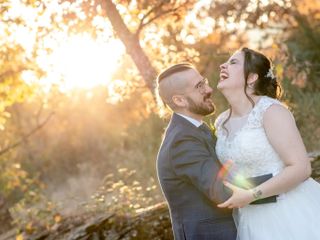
pixel 266 84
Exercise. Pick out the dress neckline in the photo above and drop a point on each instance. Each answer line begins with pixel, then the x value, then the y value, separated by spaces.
pixel 250 112
pixel 227 138
pixel 242 117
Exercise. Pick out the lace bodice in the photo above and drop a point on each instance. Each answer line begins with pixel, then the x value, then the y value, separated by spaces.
pixel 248 147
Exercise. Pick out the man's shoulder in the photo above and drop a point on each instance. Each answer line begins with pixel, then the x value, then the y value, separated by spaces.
pixel 179 131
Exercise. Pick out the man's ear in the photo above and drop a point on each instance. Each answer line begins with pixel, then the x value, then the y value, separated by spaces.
pixel 252 78
pixel 179 101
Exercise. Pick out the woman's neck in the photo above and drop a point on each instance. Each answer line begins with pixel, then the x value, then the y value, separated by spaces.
pixel 240 103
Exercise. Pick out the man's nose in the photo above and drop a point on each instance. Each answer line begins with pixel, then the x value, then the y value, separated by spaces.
pixel 209 89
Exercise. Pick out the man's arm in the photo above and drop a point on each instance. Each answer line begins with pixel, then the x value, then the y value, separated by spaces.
pixel 193 161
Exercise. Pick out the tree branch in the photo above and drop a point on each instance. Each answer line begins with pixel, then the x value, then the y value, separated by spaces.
pixel 141 25
pixel 16 144
pixel 162 13
pixel 132 44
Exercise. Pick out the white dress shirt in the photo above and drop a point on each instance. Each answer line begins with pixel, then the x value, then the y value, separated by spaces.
pixel 192 120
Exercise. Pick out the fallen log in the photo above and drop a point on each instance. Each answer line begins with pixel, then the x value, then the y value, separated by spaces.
pixel 150 223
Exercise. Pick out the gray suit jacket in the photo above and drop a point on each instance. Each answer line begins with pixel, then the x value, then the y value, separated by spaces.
pixel 187 169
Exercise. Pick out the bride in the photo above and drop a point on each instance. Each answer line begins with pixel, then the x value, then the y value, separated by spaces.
pixel 259 134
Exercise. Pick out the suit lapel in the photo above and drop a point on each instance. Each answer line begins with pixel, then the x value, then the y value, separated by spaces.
pixel 210 142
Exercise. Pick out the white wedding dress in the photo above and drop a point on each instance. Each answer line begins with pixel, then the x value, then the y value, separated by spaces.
pixel 296 214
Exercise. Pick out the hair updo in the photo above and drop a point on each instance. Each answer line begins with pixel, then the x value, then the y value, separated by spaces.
pixel 266 84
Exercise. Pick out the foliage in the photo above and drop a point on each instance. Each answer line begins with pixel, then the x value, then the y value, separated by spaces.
pixel 116 128
pixel 304 52
pixel 34 215
pixel 22 194
pixel 84 152
pixel 121 193
pixel 305 106
pixel 302 73
pixel 14 181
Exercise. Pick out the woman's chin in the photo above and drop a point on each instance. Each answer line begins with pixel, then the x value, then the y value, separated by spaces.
pixel 220 85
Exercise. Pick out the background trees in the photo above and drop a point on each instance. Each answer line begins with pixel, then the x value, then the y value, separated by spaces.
pixel 58 143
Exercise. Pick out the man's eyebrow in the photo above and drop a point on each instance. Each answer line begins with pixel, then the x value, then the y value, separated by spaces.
pixel 197 85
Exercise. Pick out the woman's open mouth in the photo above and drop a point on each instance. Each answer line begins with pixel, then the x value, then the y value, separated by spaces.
pixel 223 76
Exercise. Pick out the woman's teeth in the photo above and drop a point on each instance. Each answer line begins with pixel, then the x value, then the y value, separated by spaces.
pixel 223 76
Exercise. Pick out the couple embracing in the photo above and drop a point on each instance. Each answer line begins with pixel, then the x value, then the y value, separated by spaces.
pixel 251 179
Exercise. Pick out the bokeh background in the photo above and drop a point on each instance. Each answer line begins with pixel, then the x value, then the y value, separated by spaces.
pixel 79 124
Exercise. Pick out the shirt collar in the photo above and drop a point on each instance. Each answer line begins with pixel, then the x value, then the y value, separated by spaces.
pixel 192 120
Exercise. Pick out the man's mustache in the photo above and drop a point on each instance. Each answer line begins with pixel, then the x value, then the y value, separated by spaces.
pixel 208 95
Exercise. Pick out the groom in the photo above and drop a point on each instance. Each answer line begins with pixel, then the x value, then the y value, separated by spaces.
pixel 187 165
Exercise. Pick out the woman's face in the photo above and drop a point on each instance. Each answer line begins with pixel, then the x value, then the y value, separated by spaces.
pixel 232 73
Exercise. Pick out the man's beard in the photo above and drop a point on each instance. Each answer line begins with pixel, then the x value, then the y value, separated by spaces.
pixel 202 108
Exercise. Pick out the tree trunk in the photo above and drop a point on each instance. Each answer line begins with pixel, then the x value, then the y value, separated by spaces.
pixel 132 44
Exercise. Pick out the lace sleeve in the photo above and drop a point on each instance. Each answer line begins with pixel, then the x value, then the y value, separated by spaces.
pixel 268 102
pixel 256 117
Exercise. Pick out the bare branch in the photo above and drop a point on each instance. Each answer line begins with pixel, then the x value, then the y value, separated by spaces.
pixel 16 144
pixel 162 13
pixel 141 25
pixel 39 113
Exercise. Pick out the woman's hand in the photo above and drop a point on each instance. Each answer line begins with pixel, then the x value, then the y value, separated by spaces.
pixel 240 197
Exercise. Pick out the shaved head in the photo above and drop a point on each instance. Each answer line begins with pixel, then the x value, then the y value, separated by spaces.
pixel 174 80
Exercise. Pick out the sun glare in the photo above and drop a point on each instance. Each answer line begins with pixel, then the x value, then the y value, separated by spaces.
pixel 82 62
